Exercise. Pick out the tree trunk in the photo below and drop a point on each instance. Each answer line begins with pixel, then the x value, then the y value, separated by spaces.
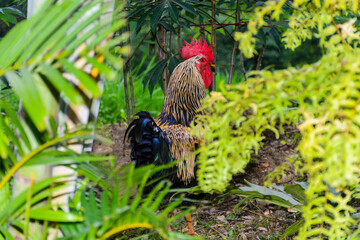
pixel 126 89
pixel 213 42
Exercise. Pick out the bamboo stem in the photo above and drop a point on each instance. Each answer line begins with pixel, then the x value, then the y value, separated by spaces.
pixel 213 42
pixel 232 57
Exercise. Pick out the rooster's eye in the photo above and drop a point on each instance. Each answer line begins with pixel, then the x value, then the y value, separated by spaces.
pixel 202 60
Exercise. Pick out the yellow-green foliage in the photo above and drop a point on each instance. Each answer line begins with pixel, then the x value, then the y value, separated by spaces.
pixel 321 99
pixel 308 19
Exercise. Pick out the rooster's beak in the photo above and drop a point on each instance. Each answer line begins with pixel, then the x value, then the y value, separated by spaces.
pixel 212 67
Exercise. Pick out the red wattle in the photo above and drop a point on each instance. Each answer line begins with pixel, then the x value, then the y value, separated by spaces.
pixel 207 76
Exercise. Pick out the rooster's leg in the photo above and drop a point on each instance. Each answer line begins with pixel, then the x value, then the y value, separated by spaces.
pixel 190 224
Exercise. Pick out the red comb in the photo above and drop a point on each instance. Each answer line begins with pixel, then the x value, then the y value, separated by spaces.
pixel 189 51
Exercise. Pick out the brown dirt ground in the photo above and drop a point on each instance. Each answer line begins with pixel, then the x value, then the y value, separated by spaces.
pixel 220 220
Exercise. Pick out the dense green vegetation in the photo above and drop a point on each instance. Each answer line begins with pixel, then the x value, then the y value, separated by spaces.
pixel 39 147
pixel 320 99
pixel 305 54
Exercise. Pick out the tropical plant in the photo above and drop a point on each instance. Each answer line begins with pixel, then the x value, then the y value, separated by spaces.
pixel 121 207
pixel 51 62
pixel 7 15
pixel 320 99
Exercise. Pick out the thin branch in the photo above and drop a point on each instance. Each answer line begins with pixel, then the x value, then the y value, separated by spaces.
pixel 339 33
pixel 218 25
pixel 179 39
pixel 261 54
pixel 7 95
pixel 232 57
pixel 242 67
pixel 163 54
pixel 126 95
pixel 202 32
pixel 125 85
pixel 137 47
pixel 214 21
pixel 132 97
pixel 201 26
pixel 170 42
pixel 222 25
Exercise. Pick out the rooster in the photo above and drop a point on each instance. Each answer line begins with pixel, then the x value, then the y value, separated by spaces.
pixel 166 138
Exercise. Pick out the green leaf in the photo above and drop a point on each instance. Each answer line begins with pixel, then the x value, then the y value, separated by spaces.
pixel 44 28
pixel 63 37
pixel 293 229
pixel 173 12
pixel 3 18
pixel 83 77
pixel 152 194
pixel 61 84
pixel 268 195
pixel 94 173
pixel 140 23
pixel 64 158
pixel 94 214
pixel 168 27
pixel 14 119
pixel 87 209
pixel 27 90
pixel 160 197
pixel 141 9
pixel 274 35
pixel 155 75
pixel 105 207
pixel 6 233
pixel 5 195
pixel 259 3
pixel 13 10
pixel 53 216
pixel 174 61
pixel 156 16
pixel 297 192
pixel 18 202
pixel 11 18
pixel 187 7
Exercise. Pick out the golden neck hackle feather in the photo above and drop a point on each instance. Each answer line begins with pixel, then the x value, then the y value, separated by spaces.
pixel 185 91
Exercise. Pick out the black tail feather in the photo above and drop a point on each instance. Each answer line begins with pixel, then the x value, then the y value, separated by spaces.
pixel 149 145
